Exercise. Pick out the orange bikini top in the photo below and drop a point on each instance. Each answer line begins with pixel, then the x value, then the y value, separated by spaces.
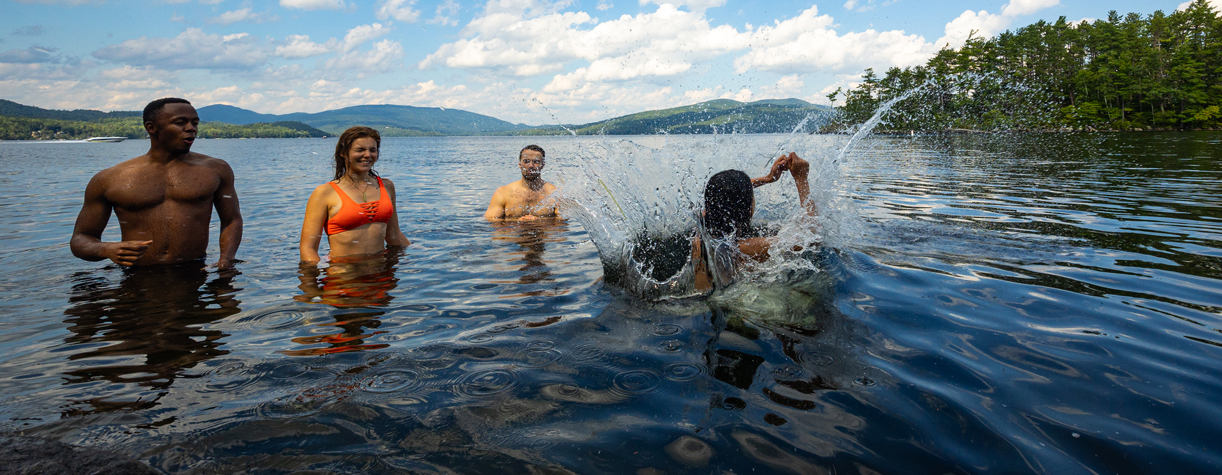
pixel 353 215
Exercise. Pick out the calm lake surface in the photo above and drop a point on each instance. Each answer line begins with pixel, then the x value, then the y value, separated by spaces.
pixel 1029 304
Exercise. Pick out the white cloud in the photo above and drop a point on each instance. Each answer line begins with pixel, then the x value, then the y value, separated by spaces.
pixel 361 34
pixel 985 25
pixel 693 5
pixel 191 49
pixel 808 43
pixel 784 88
pixel 604 5
pixel 508 37
pixel 314 4
pixel 1027 7
pixel 386 55
pixel 446 14
pixel 33 54
pixel 981 24
pixel 1216 4
pixel 400 10
pixel 300 46
pixel 245 14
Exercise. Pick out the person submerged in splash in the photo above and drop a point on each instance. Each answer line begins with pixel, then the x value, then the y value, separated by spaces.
pixel 729 203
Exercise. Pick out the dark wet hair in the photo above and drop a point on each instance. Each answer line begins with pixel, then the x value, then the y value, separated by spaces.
pixel 535 148
pixel 345 142
pixel 728 198
pixel 154 108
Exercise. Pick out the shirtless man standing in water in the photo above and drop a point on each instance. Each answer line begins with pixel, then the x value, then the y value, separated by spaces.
pixel 163 199
pixel 525 199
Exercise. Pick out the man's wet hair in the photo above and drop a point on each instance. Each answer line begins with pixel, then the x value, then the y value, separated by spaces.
pixel 532 147
pixel 154 108
pixel 728 198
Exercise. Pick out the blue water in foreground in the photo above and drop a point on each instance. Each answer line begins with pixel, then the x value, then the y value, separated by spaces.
pixel 1022 304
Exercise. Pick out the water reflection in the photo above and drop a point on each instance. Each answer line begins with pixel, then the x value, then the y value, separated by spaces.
pixel 532 238
pixel 143 333
pixel 353 284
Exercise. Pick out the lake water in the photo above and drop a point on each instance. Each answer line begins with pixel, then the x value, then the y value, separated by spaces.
pixel 1018 304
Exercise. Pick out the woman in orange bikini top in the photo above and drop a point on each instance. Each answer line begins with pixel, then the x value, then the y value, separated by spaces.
pixel 352 227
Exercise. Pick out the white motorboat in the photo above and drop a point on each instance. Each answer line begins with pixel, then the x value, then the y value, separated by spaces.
pixel 105 139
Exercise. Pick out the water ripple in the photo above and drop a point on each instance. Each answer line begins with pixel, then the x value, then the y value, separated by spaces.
pixel 636 382
pixel 487 383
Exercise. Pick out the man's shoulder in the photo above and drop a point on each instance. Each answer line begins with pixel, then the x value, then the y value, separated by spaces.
pixel 200 159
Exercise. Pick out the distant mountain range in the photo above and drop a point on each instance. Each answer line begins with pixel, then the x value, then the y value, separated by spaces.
pixel 389 119
pixel 721 116
pixel 13 109
pixel 716 116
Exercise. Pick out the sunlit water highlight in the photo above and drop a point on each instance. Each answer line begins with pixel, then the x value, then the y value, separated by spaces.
pixel 1022 303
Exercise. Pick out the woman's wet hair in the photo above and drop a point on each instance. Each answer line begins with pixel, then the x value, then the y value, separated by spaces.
pixel 345 143
pixel 728 198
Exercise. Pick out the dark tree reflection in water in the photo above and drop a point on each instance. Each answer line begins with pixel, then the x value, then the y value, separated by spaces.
pixel 143 333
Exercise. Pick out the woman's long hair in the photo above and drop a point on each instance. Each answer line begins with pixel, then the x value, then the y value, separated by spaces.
pixel 345 142
pixel 728 198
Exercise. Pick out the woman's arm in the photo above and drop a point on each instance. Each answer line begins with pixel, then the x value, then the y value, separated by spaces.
pixel 312 226
pixel 394 235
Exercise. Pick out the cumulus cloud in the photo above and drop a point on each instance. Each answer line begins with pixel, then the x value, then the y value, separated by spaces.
pixel 604 5
pixel 984 24
pixel 693 5
pixel 313 4
pixel 808 43
pixel 245 15
pixel 191 49
pixel 386 55
pixel 1216 4
pixel 520 38
pixel 33 54
pixel 400 10
pixel 446 14
pixel 300 46
pixel 361 34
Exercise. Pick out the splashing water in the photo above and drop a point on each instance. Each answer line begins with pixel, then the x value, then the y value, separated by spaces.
pixel 639 199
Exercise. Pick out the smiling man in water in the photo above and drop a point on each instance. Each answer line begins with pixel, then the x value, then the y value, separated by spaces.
pixel 525 199
pixel 163 199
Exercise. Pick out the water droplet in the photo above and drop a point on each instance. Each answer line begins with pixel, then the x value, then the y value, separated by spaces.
pixel 587 353
pixel 816 359
pixel 666 329
pixel 787 371
pixel 487 383
pixel 863 381
pixel 636 382
pixel 390 381
pixel 684 371
pixel 671 346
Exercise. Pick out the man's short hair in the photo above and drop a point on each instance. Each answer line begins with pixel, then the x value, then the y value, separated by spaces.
pixel 534 148
pixel 154 108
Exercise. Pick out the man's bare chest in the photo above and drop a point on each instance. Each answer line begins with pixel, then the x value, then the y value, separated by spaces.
pixel 135 191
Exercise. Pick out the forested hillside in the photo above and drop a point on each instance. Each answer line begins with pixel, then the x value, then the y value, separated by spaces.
pixel 716 116
pixel 1157 71
pixel 25 128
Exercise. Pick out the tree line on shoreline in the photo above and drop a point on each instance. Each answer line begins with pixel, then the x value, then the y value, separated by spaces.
pixel 32 128
pixel 1154 72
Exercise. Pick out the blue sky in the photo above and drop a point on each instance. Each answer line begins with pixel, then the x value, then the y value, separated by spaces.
pixel 528 61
